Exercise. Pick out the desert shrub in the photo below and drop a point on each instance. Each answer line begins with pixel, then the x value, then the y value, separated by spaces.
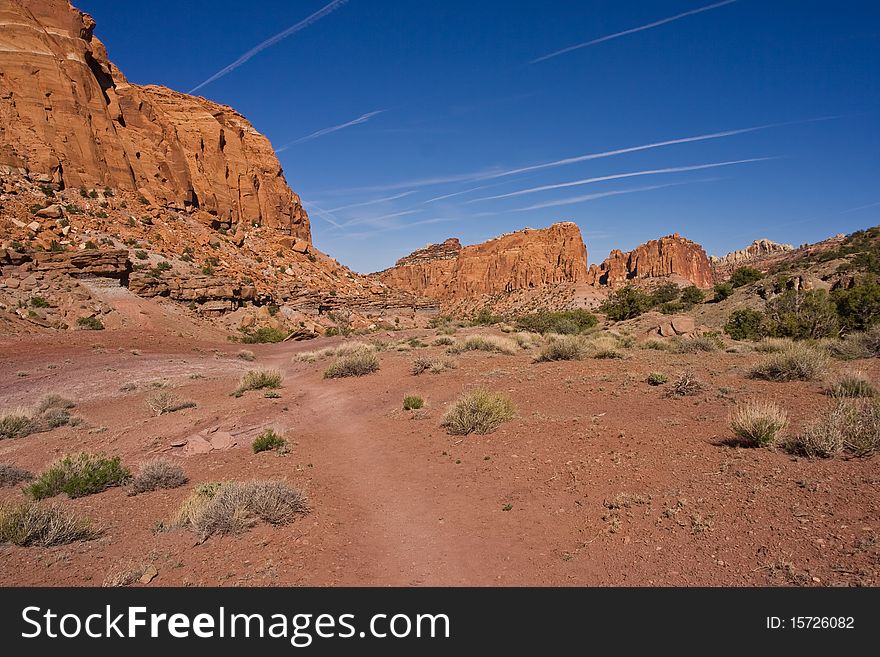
pixel 657 378
pixel 53 401
pixel 722 291
pixel 268 440
pixel 420 364
pixel 258 380
pixel 263 334
pixel 562 347
pixel 606 346
pixel 443 341
pixel 157 474
pixel 859 306
pixel 348 348
pixel 800 315
pixel 28 524
pixel 247 355
pixel 745 276
pixel 846 348
pixel 442 365
pixel 53 417
pixel 869 341
pixel 773 345
pixel 852 426
pixel 656 345
pixel 564 322
pixel 356 363
pixel 484 343
pixel 758 423
pixel 665 293
pixel 140 254
pixel 79 475
pixel 478 412
pixel 693 345
pixel 232 507
pixel 526 339
pixel 412 402
pixel 851 384
pixel 745 324
pixel 15 425
pixel 686 384
pixel 90 323
pixel 39 302
pixel 625 303
pixel 166 401
pixel 485 317
pixel 797 362
pixel 312 356
pixel 692 295
pixel 11 475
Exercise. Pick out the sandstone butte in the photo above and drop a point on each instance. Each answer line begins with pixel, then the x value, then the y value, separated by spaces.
pixel 68 116
pixel 524 259
pixel 672 256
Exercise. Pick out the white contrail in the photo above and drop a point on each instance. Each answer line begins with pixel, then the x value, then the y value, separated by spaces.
pixel 633 30
pixel 293 29
pixel 324 214
pixel 618 176
pixel 363 118
pixel 379 220
pixel 372 202
pixel 592 197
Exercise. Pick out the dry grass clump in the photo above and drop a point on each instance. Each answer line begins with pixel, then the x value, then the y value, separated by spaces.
pixel 312 356
pixel 562 347
pixel 353 363
pixel 258 380
pixel 526 339
pixel 443 341
pixel 851 384
pixel 247 355
pixel 10 475
pixel 686 384
pixel 797 362
pixel 354 347
pixel 758 423
pixel 696 344
pixel 232 507
pixel 773 345
pixel 478 412
pixel 166 401
pixel 442 365
pixel 492 343
pixel 420 364
pixel 125 575
pixel 412 402
pixel 15 424
pixel 53 401
pixel 28 524
pixel 79 475
pixel 157 474
pixel 852 426
pixel 655 344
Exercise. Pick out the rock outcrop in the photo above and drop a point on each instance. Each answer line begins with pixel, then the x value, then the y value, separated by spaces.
pixel 671 256
pixel 754 252
pixel 522 260
pixel 69 117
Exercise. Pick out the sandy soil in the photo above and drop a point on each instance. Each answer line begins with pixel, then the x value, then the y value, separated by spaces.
pixel 396 501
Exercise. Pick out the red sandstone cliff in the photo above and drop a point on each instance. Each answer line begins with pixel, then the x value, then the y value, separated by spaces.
pixel 670 256
pixel 522 260
pixel 68 116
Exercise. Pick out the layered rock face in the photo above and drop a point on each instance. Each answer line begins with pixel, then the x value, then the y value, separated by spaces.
pixel 754 252
pixel 522 260
pixel 670 256
pixel 69 117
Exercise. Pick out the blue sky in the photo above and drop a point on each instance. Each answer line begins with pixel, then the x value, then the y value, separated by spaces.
pixel 454 114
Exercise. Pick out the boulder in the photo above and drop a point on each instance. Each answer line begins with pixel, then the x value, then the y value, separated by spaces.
pixel 53 211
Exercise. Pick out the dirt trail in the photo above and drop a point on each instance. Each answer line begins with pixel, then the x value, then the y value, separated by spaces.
pixel 400 534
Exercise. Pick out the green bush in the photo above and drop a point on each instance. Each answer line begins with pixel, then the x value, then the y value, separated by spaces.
pixel 15 425
pixel 140 254
pixel 625 303
pixel 665 293
pixel 478 412
pixel 563 322
pixel 90 323
pixel 485 318
pixel 263 334
pixel 745 324
pixel 412 402
pixel 859 306
pixel 692 295
pixel 657 378
pixel 268 440
pixel 801 315
pixel 723 291
pixel 79 475
pixel 39 302
pixel 745 276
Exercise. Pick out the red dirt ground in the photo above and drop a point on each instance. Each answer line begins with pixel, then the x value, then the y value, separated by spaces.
pixel 396 501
